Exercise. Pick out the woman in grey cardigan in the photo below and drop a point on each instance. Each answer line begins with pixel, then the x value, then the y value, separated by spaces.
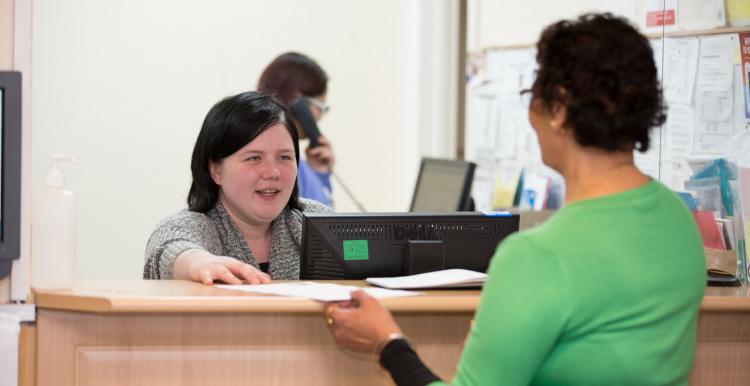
pixel 244 217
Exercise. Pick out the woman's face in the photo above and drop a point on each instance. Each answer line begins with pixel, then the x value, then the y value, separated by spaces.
pixel 257 180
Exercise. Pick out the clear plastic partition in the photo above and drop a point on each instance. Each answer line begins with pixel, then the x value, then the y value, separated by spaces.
pixel 703 53
pixel 702 152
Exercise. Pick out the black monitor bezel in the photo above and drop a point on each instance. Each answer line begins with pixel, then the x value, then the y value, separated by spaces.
pixel 10 196
pixel 510 221
pixel 464 202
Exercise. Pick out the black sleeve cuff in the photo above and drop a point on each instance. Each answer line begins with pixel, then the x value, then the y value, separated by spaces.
pixel 404 365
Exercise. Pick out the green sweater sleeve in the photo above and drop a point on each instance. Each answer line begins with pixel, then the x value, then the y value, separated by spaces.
pixel 523 309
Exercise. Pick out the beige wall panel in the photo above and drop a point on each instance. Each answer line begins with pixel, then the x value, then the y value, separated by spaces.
pixel 6 37
pixel 199 349
pixel 5 290
pixel 202 365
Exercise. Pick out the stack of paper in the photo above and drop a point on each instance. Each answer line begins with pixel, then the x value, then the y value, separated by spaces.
pixel 449 278
pixel 325 292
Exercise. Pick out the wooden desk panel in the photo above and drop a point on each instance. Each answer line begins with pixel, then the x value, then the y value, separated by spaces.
pixel 200 349
pixel 722 354
pixel 176 332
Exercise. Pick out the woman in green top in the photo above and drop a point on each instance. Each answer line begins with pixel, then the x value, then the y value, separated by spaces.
pixel 606 291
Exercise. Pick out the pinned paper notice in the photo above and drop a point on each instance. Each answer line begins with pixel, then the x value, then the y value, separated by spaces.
pixel 680 69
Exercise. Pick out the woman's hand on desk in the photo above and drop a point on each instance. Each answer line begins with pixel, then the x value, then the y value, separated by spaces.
pixel 361 324
pixel 202 266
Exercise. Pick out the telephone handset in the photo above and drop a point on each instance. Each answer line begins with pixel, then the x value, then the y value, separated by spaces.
pixel 300 110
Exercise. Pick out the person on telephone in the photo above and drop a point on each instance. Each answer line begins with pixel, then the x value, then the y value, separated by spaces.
pixel 606 292
pixel 301 84
pixel 244 218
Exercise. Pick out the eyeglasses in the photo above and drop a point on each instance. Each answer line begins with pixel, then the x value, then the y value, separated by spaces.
pixel 319 104
pixel 525 98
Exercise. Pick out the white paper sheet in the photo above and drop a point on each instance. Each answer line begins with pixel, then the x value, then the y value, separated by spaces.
pixel 701 14
pixel 712 138
pixel 674 173
pixel 324 292
pixel 481 138
pixel 657 46
pixel 514 71
pixel 714 106
pixel 680 69
pixel 715 62
pixel 678 132
pixel 714 98
pixel 449 278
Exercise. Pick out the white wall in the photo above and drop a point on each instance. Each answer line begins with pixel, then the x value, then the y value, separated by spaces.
pixel 505 23
pixel 124 87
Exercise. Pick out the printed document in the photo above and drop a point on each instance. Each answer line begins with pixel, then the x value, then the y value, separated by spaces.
pixel 324 292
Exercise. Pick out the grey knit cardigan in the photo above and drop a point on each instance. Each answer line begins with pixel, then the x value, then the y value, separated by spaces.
pixel 216 233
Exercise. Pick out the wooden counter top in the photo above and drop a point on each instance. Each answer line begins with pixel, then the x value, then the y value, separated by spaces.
pixel 178 296
pixel 175 296
pixel 719 299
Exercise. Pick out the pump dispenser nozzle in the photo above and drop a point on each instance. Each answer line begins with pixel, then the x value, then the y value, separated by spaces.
pixel 55 178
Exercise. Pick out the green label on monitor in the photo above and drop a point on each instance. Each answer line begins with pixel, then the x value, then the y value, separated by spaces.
pixel 356 250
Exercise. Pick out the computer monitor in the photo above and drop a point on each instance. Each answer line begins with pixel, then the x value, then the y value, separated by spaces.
pixel 10 158
pixel 443 186
pixel 358 246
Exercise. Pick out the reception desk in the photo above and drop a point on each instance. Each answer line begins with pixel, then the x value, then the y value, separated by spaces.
pixel 183 333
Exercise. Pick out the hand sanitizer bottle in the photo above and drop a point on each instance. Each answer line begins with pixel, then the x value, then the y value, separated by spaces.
pixel 53 232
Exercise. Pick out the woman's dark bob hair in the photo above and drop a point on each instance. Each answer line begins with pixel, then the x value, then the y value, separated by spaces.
pixel 230 125
pixel 602 71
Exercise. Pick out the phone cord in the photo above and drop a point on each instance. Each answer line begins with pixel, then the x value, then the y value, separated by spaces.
pixel 349 192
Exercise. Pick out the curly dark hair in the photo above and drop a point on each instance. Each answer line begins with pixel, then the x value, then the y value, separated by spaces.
pixel 602 71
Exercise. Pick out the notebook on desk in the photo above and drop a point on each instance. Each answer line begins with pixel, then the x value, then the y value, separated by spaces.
pixel 449 278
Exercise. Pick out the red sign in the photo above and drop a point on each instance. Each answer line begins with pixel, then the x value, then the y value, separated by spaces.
pixel 657 18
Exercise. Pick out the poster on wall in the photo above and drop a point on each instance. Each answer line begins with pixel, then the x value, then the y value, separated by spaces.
pixel 745 57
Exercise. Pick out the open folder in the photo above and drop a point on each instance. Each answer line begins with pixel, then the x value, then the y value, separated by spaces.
pixel 449 278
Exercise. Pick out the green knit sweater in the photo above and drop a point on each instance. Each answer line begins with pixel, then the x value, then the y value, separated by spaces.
pixel 604 293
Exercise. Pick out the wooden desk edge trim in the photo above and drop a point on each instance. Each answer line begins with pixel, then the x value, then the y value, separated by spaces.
pixel 240 305
pixel 72 303
pixel 725 303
